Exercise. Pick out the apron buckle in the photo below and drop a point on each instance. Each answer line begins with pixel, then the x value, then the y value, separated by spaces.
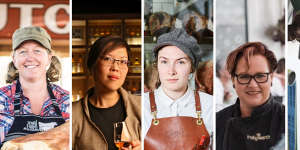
pixel 199 120
pixel 155 121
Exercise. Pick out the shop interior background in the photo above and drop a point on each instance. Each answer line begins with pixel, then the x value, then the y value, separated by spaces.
pixel 91 21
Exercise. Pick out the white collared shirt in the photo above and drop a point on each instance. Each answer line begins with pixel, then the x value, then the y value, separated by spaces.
pixel 183 106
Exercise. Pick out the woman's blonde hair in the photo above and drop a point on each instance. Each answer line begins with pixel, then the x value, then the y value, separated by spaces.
pixel 53 73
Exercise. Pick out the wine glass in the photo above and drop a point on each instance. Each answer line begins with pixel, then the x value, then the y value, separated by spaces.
pixel 121 135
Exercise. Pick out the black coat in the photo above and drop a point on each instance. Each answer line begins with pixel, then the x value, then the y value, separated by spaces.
pixel 261 131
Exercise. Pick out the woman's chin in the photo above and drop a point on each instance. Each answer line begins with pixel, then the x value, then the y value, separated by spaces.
pixel 255 102
pixel 174 88
pixel 31 77
pixel 112 87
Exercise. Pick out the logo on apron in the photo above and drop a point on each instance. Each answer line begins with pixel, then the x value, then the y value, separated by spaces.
pixel 31 126
pixel 39 126
pixel 47 126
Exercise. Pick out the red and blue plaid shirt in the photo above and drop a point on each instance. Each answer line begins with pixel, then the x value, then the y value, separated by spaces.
pixel 7 106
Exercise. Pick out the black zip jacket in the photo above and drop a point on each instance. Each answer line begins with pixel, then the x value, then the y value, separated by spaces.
pixel 261 131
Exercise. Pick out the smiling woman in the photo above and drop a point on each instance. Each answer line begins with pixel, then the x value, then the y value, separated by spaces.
pixel 31 103
pixel 256 118
pixel 31 59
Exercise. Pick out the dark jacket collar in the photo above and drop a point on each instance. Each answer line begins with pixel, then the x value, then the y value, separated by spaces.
pixel 258 111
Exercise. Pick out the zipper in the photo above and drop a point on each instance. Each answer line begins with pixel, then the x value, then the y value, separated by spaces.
pixel 99 132
pixel 89 119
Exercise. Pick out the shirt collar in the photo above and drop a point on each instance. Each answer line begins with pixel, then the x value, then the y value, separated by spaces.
pixel 166 100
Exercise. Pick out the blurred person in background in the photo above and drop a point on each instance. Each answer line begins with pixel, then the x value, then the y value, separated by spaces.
pixel 151 79
pixel 278 90
pixel 204 77
pixel 225 94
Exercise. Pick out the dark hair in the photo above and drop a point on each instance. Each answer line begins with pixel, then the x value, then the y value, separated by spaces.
pixel 103 45
pixel 204 76
pixel 294 28
pixel 246 51
pixel 151 78
pixel 281 66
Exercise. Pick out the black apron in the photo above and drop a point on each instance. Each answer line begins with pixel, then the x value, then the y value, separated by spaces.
pixel 31 123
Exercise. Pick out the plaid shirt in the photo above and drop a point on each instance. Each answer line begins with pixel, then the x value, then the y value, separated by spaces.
pixel 7 106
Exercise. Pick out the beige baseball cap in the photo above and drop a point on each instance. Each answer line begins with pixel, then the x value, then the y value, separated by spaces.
pixel 35 33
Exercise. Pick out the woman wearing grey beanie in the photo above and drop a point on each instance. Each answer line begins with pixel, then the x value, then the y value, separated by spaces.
pixel 175 116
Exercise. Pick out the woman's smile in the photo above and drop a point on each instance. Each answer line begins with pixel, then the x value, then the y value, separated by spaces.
pixel 31 66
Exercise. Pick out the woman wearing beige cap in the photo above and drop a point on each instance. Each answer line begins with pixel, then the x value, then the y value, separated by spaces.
pixel 175 116
pixel 31 103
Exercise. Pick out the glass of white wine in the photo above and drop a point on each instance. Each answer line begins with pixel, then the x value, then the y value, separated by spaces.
pixel 121 135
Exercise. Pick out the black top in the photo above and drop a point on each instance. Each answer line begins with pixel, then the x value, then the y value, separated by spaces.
pixel 104 118
pixel 262 130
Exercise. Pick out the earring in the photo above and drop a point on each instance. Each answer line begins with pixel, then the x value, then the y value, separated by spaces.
pixel 233 86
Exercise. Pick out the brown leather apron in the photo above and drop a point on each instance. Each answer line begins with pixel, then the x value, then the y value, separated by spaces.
pixel 176 133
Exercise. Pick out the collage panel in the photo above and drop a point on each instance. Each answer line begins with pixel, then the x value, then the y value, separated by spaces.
pixel 178 75
pixel 35 75
pixel 106 75
pixel 250 75
pixel 293 56
pixel 149 74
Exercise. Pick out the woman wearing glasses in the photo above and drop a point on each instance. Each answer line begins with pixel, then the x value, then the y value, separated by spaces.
pixel 255 121
pixel 107 102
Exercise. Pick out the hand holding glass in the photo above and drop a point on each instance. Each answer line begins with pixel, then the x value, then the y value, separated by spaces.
pixel 121 135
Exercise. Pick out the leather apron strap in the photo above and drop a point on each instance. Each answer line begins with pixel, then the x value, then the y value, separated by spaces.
pixel 176 133
pixel 152 102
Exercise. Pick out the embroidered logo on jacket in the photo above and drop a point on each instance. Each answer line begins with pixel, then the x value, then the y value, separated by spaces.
pixel 258 137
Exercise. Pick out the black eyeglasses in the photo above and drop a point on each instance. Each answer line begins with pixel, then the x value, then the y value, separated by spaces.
pixel 246 78
pixel 110 61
